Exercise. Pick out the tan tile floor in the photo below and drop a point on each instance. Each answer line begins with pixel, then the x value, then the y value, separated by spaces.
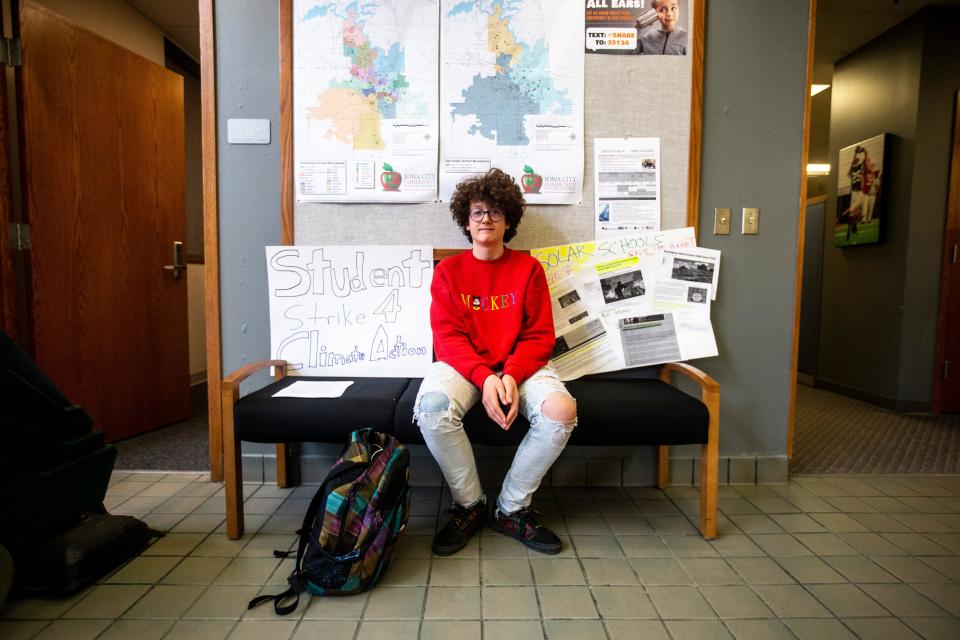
pixel 829 557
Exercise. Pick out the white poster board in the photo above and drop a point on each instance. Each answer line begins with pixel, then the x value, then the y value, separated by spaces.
pixel 354 311
pixel 630 301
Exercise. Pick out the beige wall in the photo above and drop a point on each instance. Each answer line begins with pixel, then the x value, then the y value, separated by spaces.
pixel 195 318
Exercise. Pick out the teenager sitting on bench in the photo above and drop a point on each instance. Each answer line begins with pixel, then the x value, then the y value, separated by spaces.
pixel 493 335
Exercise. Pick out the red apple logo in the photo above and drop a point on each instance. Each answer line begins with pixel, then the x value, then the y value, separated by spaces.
pixel 390 179
pixel 531 181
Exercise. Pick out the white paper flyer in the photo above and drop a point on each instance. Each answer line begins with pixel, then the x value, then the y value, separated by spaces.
pixel 627 179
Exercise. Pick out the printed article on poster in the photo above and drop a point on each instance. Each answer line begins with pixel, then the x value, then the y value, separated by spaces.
pixel 627 185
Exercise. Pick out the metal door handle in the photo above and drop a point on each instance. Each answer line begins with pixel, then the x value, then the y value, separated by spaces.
pixel 178 267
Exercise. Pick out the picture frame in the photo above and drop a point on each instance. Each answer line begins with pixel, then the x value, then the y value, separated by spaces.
pixel 860 177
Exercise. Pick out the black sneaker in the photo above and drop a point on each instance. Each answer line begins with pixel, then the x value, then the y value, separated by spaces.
pixel 456 533
pixel 523 526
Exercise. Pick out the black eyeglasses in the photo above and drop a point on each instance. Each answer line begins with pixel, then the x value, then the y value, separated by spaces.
pixel 495 214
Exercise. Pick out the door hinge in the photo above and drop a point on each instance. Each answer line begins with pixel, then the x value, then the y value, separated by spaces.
pixel 19 236
pixel 946 369
pixel 953 259
pixel 10 52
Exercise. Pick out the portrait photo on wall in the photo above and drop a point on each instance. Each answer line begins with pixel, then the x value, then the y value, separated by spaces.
pixel 859 185
pixel 646 27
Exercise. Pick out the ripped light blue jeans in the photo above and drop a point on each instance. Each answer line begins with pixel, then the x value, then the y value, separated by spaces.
pixel 445 397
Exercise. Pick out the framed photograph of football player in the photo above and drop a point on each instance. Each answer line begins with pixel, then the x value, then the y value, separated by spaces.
pixel 859 181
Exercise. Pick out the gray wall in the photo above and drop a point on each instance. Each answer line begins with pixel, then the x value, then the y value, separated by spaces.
pixel 753 107
pixel 874 91
pixel 879 302
pixel 754 83
pixel 248 176
pixel 810 301
pixel 939 82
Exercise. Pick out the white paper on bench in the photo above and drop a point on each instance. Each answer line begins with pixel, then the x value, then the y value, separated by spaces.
pixel 314 389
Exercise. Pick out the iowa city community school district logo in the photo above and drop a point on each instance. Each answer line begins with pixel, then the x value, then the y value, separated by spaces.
pixel 531 181
pixel 390 179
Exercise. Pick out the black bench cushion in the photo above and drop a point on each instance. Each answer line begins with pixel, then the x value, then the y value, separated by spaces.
pixel 368 402
pixel 611 411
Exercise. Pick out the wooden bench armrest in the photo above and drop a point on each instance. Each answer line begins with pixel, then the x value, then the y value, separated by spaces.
pixel 706 382
pixel 233 380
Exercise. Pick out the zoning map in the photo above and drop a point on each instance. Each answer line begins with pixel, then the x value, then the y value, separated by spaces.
pixel 385 88
pixel 365 100
pixel 512 94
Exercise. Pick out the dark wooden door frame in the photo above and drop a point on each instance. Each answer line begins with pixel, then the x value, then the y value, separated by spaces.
pixel 14 264
pixel 801 229
pixel 211 234
pixel 949 266
pixel 9 315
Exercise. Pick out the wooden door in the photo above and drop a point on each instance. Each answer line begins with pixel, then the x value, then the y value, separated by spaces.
pixel 946 387
pixel 103 180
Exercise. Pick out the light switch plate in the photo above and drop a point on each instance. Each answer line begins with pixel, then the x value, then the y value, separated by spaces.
pixel 721 221
pixel 751 221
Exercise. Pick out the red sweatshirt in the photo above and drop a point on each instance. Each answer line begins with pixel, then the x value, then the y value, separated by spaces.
pixel 489 315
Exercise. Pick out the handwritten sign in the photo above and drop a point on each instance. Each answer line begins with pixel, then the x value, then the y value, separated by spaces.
pixel 357 311
pixel 564 260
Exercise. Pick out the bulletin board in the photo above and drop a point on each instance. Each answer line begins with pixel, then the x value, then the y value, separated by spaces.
pixel 624 96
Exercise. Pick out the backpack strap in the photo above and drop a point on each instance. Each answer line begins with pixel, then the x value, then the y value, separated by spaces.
pixel 297 581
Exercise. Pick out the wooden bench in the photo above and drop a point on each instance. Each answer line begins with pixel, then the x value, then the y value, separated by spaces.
pixel 622 408
pixel 654 413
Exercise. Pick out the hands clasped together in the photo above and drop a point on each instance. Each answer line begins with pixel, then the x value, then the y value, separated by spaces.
pixel 501 393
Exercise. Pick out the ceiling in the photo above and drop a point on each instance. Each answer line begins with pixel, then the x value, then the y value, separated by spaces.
pixel 843 26
pixel 179 19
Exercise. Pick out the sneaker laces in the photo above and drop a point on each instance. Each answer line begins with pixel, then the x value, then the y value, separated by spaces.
pixel 524 516
pixel 460 515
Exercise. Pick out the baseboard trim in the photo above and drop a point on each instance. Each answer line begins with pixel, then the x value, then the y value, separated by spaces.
pixel 900 406
pixel 198 398
pixel 639 470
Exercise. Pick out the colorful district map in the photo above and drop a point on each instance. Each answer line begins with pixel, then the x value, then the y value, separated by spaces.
pixel 365 102
pixel 512 94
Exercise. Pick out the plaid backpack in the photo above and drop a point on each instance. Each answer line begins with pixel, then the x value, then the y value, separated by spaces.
pixel 353 525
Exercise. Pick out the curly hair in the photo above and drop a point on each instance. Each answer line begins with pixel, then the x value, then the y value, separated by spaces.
pixel 496 189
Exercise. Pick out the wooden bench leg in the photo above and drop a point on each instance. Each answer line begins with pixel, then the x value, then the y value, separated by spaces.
pixel 708 490
pixel 709 465
pixel 663 466
pixel 232 468
pixel 709 452
pixel 283 473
